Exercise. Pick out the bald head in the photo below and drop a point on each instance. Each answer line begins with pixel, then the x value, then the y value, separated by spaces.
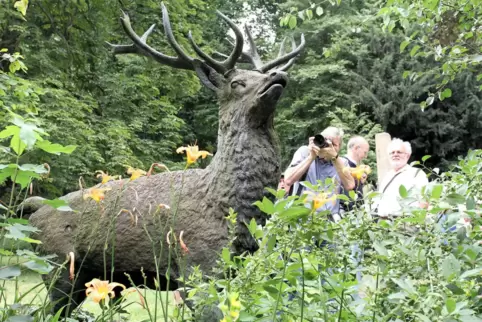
pixel 358 148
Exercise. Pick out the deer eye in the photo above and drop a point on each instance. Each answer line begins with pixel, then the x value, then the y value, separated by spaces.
pixel 235 84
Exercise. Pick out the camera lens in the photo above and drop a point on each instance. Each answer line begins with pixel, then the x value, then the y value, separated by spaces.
pixel 319 141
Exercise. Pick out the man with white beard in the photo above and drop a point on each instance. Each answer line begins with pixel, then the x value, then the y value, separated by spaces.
pixel 401 173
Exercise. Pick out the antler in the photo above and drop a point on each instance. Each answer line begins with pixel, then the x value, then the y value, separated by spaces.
pixel 252 55
pixel 284 58
pixel 183 60
pixel 141 47
pixel 230 61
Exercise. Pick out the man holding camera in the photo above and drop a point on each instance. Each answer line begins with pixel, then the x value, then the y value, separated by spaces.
pixel 320 161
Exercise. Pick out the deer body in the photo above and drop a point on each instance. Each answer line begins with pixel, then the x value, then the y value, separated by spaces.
pixel 130 221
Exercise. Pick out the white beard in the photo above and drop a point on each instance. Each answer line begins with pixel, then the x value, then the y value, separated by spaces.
pixel 397 164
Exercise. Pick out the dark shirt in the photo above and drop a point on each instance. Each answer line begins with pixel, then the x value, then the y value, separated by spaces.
pixel 347 206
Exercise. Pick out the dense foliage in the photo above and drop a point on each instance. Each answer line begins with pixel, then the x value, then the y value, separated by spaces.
pixel 129 111
pixel 113 112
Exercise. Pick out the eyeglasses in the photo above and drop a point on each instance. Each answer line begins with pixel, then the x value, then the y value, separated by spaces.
pixel 396 152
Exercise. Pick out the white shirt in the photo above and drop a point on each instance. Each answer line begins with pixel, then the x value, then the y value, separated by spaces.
pixel 390 203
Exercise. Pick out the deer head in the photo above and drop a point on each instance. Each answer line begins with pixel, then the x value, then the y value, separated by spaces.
pixel 246 97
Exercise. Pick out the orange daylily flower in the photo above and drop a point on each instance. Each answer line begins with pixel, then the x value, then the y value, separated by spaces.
pixel 105 176
pixel 163 205
pixel 193 153
pixel 181 242
pixel 320 199
pixel 135 173
pixel 99 290
pixel 96 194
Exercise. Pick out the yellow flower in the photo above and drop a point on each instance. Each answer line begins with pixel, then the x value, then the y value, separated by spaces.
pixel 359 172
pixel 99 290
pixel 233 298
pixel 234 314
pixel 105 176
pixel 224 320
pixel 320 199
pixel 96 194
pixel 135 173
pixel 236 304
pixel 193 153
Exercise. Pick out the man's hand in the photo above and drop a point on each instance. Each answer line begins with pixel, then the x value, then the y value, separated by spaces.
pixel 329 153
pixel 314 150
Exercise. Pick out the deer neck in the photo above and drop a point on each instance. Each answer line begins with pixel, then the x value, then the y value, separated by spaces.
pixel 247 162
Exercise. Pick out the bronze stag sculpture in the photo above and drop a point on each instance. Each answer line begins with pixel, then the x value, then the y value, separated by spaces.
pixel 247 161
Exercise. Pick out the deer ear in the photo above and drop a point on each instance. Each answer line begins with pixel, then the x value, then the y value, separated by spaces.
pixel 208 76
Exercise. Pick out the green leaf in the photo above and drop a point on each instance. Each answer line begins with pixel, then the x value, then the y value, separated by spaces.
pixel 41 267
pixel 450 305
pixel 271 243
pixel 23 178
pixel 319 11
pixel 425 158
pixel 55 148
pixel 437 191
pixel 380 249
pixel 471 273
pixel 292 22
pixel 447 93
pixel 5 252
pixel 21 5
pixel 20 318
pixel 252 226
pixel 30 240
pixel 58 204
pixel 403 191
pixel 423 318
pixel 37 168
pixel 455 289
pixel 271 290
pixel 429 100
pixel 226 255
pixel 406 74
pixel 414 50
pixel 9 131
pixel 294 213
pixel 265 206
pixel 470 203
pixel 17 144
pixel 404 45
pixel 455 199
pixel 450 267
pixel 309 14
pixel 431 4
pixel 9 272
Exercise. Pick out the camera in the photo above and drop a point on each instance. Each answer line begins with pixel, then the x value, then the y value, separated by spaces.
pixel 320 141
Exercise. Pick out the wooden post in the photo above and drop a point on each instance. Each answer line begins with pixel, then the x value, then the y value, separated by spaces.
pixel 382 140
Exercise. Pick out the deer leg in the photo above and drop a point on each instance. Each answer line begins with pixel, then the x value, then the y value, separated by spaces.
pixel 64 293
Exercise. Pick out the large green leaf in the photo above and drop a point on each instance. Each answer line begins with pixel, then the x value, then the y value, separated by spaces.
pixel 58 204
pixel 9 272
pixel 55 148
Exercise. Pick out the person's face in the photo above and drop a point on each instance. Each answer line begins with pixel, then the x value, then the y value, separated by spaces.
pixel 336 141
pixel 361 151
pixel 398 156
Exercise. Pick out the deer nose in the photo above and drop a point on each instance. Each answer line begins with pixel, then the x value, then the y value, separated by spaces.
pixel 273 74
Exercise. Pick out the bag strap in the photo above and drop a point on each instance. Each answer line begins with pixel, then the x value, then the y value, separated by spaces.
pixel 384 189
pixel 389 182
